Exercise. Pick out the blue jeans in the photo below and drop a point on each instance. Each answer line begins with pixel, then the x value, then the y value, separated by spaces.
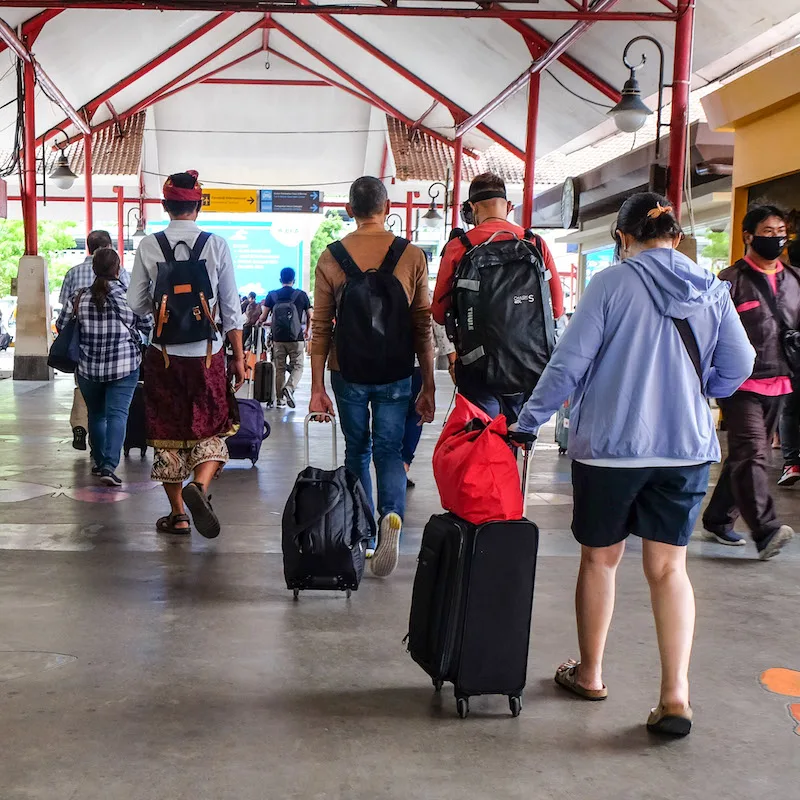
pixel 510 405
pixel 108 403
pixel 383 443
pixel 413 430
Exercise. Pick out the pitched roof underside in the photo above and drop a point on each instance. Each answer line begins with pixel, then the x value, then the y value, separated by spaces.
pixel 463 62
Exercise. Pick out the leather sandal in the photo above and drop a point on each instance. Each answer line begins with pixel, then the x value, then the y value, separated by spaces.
pixel 168 524
pixel 567 678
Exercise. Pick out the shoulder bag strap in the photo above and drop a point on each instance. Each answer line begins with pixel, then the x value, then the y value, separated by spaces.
pixel 166 249
pixel 396 250
pixel 115 308
pixel 690 343
pixel 199 244
pixel 772 302
pixel 344 260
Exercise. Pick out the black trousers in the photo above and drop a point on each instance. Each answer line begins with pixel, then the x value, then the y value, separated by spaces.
pixel 790 430
pixel 744 485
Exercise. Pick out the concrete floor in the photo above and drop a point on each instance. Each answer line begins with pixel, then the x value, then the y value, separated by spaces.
pixel 134 666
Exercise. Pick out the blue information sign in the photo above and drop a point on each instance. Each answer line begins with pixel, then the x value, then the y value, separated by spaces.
pixel 260 250
pixel 288 201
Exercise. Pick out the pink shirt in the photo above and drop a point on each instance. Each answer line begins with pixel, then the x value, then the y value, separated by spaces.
pixel 768 387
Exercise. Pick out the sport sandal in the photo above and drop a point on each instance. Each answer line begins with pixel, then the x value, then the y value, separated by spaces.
pixel 169 524
pixel 567 678
pixel 199 504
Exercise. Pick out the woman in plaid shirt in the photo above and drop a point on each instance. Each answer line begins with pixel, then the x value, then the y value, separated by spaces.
pixel 110 355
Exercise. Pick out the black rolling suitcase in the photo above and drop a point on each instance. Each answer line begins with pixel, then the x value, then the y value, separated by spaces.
pixel 471 605
pixel 263 378
pixel 136 430
pixel 326 525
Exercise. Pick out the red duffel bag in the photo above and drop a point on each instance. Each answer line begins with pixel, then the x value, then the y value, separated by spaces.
pixel 475 470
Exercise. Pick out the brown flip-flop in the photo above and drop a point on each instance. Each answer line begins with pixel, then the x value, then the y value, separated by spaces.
pixel 567 678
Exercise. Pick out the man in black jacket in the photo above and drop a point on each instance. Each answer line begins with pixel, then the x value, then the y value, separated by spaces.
pixel 767 296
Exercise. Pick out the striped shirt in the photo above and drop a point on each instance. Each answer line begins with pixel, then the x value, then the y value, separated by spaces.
pixel 110 338
pixel 82 277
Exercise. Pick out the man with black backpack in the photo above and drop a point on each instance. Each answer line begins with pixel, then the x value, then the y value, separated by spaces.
pixel 287 307
pixel 376 287
pixel 498 294
pixel 185 277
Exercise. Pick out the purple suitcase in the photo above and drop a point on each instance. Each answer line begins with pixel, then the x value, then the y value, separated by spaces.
pixel 253 429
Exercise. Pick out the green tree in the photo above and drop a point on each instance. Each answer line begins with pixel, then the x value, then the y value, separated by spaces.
pixel 718 249
pixel 329 231
pixel 54 239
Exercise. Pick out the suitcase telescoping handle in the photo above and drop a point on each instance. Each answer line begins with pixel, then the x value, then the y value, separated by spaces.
pixel 319 416
pixel 527 441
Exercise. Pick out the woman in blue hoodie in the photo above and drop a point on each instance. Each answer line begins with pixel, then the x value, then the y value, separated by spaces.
pixel 652 337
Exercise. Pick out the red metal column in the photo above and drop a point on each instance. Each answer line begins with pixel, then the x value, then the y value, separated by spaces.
pixel 30 221
pixel 120 192
pixel 458 152
pixel 409 214
pixel 681 78
pixel 530 151
pixel 87 174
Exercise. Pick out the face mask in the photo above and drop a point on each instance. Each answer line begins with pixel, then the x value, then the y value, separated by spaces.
pixel 769 247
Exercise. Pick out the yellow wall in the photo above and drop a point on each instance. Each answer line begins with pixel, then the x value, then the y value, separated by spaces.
pixel 763 109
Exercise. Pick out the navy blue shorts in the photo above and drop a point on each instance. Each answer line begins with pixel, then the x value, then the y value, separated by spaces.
pixel 656 503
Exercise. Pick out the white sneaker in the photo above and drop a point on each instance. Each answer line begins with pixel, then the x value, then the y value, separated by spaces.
pixel 370 552
pixel 777 542
pixel 387 553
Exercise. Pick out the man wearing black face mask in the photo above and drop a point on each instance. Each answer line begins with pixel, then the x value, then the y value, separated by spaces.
pixel 767 296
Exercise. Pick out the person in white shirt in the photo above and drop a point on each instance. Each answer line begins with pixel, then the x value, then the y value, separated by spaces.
pixel 189 405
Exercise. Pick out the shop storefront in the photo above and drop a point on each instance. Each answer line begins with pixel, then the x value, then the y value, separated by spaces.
pixel 762 109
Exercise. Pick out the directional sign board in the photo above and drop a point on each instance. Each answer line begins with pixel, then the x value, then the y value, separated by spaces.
pixel 232 201
pixel 276 201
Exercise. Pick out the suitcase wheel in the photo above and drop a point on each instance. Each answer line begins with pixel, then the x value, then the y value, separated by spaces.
pixel 462 706
pixel 437 685
pixel 562 451
pixel 515 704
pixel 295 594
pixel 348 593
pixel 127 452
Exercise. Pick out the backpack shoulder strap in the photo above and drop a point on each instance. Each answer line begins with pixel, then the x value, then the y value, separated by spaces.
pixel 199 244
pixel 295 294
pixel 396 250
pixel 464 239
pixel 344 260
pixel 690 343
pixel 166 248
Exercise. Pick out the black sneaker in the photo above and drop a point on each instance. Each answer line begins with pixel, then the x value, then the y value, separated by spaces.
pixel 97 472
pixel 108 478
pixel 79 438
pixel 725 537
pixel 288 394
pixel 774 543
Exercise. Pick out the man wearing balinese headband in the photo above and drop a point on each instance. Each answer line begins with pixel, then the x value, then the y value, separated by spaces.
pixel 766 294
pixel 189 406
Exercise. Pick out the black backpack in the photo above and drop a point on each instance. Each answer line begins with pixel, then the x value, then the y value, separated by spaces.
pixel 286 324
pixel 374 333
pixel 501 318
pixel 183 295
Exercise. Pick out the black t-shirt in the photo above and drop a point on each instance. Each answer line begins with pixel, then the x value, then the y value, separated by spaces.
pixel 285 293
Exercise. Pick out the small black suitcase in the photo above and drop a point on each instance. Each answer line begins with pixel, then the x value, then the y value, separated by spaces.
pixel 326 525
pixel 471 606
pixel 136 431
pixel 264 382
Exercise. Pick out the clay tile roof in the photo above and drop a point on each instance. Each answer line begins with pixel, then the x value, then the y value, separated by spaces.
pixel 418 157
pixel 112 153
